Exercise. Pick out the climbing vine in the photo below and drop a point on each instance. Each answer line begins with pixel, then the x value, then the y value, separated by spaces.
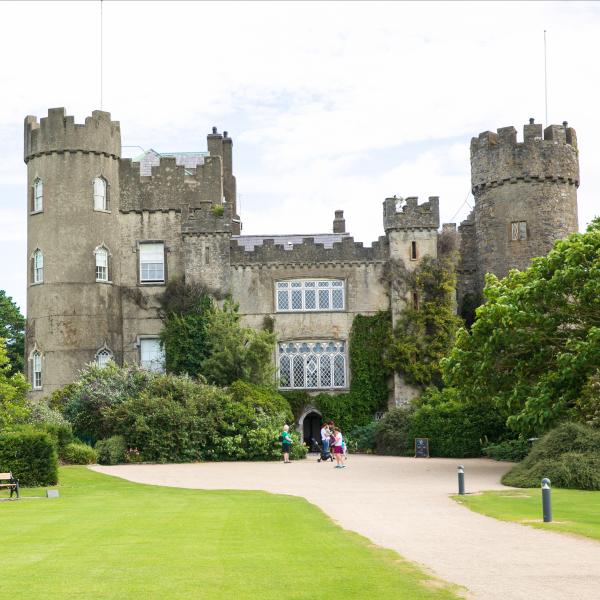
pixel 425 329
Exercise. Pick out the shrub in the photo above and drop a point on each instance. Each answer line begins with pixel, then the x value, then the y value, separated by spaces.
pixel 77 453
pixel 362 439
pixel 112 450
pixel 59 399
pixel 30 455
pixel 456 429
pixel 510 450
pixel 568 455
pixel 393 432
pixel 61 434
pixel 97 391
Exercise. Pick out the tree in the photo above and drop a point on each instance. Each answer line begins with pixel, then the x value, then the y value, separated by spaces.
pixel 535 346
pixel 12 329
pixel 13 393
pixel 237 352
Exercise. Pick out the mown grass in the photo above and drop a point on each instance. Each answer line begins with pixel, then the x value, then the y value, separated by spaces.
pixel 106 538
pixel 573 511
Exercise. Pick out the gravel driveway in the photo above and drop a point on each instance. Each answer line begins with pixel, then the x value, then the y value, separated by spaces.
pixel 404 504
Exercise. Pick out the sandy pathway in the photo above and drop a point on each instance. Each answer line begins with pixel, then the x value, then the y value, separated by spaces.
pixel 404 504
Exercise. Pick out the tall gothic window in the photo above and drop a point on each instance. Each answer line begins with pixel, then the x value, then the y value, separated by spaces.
pixel 37 266
pixel 304 295
pixel 36 364
pixel 312 365
pixel 38 196
pixel 152 262
pixel 101 254
pixel 100 195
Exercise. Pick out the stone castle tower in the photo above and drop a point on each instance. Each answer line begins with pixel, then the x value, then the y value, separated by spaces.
pixel 525 199
pixel 107 234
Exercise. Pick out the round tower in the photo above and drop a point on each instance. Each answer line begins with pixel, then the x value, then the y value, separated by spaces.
pixel 73 302
pixel 525 194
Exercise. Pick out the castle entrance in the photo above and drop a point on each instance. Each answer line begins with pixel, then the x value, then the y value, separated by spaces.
pixel 311 430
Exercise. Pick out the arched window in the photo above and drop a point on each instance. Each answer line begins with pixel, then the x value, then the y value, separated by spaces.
pixel 36 370
pixel 103 356
pixel 101 254
pixel 38 266
pixel 38 196
pixel 100 196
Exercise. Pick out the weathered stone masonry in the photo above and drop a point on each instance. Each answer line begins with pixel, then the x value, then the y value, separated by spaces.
pixel 187 210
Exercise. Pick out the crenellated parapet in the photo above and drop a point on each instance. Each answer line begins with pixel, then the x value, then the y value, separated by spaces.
pixel 171 186
pixel 399 214
pixel 59 133
pixel 549 154
pixel 346 250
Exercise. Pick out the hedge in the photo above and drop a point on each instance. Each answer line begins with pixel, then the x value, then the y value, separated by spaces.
pixel 31 457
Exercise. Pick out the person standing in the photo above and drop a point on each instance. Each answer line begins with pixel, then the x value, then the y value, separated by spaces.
pixel 325 433
pixel 286 443
pixel 338 450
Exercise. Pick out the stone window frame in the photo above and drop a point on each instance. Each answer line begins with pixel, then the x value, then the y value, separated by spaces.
pixel 288 353
pixel 413 250
pixel 519 232
pixel 37 267
pixel 97 251
pixel 145 282
pixel 37 184
pixel 103 355
pixel 287 287
pixel 160 364
pixel 36 360
pixel 106 203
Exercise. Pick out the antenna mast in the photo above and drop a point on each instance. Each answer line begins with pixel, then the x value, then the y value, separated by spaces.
pixel 101 52
pixel 545 78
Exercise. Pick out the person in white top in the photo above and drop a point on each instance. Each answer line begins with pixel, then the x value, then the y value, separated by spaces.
pixel 325 434
pixel 338 450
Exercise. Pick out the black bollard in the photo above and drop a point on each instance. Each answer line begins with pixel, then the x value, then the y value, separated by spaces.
pixel 461 480
pixel 546 500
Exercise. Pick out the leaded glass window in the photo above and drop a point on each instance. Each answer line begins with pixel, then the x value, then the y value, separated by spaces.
pixel 310 295
pixel 103 356
pixel 312 365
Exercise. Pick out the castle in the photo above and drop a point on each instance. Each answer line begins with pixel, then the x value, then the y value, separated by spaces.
pixel 105 235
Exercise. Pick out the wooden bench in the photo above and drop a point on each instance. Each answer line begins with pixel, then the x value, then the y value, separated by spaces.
pixel 8 481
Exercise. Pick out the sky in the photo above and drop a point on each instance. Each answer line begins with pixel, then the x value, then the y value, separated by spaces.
pixel 330 105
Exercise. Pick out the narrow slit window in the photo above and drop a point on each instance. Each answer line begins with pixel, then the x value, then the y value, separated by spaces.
pixel 413 250
pixel 36 359
pixel 207 255
pixel 38 196
pixel 415 300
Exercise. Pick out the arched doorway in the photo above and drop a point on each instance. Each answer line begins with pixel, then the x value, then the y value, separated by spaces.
pixel 311 430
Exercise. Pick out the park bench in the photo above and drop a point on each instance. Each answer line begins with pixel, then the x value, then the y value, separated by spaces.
pixel 8 481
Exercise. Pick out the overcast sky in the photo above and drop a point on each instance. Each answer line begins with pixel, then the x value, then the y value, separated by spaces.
pixel 330 105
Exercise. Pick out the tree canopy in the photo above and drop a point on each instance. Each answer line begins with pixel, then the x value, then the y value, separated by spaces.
pixel 12 329
pixel 13 389
pixel 534 349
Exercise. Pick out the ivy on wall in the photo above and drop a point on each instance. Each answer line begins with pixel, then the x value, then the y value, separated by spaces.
pixel 425 332
pixel 368 393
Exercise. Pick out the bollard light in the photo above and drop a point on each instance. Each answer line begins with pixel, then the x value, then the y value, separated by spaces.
pixel 546 500
pixel 461 480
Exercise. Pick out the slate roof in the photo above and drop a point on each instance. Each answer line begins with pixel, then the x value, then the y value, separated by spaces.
pixel 249 242
pixel 151 158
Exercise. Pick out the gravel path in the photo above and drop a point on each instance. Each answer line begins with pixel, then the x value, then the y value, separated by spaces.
pixel 404 504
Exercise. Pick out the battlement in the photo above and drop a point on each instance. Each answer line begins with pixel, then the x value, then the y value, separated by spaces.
pixel 412 214
pixel 59 133
pixel 309 252
pixel 171 186
pixel 549 153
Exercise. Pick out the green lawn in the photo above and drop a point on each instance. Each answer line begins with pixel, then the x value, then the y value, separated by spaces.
pixel 107 538
pixel 573 511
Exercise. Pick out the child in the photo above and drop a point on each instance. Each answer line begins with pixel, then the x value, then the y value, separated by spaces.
pixel 338 449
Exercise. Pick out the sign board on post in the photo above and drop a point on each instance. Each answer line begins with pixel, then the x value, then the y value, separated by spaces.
pixel 421 447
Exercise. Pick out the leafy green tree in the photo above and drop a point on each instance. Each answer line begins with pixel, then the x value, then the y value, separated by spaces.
pixel 13 390
pixel 535 346
pixel 12 329
pixel 424 332
pixel 236 352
